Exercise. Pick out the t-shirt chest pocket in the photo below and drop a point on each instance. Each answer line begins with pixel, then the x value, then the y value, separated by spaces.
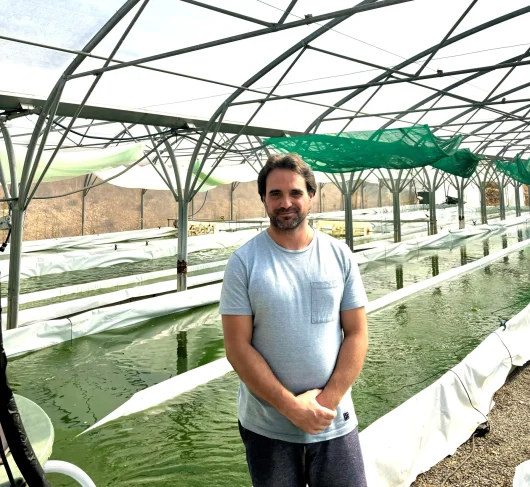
pixel 325 301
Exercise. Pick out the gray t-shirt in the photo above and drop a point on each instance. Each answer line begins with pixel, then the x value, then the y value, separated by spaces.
pixel 295 297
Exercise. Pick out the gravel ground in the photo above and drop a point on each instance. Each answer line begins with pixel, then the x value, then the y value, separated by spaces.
pixel 491 461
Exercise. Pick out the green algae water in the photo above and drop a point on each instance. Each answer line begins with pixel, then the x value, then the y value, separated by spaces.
pixel 193 439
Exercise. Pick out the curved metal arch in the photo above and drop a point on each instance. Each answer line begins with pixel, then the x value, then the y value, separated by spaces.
pixel 219 113
pixel 482 148
pixel 449 88
pixel 413 59
pixel 493 98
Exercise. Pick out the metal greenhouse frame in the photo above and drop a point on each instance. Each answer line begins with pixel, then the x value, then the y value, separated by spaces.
pixel 494 126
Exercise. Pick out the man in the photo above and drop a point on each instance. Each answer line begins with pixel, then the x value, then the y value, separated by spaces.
pixel 289 296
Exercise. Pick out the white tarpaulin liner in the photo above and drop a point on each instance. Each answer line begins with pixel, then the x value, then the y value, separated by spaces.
pixel 439 240
pixel 48 333
pixel 133 280
pixel 54 263
pixel 92 240
pixel 435 422
pixel 173 387
pixel 67 308
pixel 76 306
pixel 168 389
pixel 522 475
pixel 71 164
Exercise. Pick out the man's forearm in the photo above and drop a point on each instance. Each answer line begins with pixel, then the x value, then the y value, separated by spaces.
pixel 348 367
pixel 255 372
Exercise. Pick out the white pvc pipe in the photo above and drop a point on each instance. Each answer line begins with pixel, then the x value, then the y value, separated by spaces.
pixel 70 470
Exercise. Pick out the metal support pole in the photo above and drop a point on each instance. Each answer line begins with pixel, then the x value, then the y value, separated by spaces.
pixel 483 209
pixel 397 216
pixel 17 228
pixel 233 187
pixel 182 352
pixel 320 200
pixel 527 201
pixel 362 196
pixel 380 195
pixel 399 276
pixel 142 202
pixel 231 201
pixel 433 224
pixel 348 222
pixel 460 197
pixel 502 202
pixel 12 162
pixel 182 255
pixel 13 287
pixel 463 255
pixel 517 187
pixel 486 247
pixel 83 196
pixel 435 264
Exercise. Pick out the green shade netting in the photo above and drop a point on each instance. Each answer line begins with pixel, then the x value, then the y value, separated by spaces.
pixel 462 163
pixel 402 148
pixel 517 169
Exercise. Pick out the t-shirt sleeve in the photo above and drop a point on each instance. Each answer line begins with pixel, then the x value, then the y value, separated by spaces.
pixel 234 294
pixel 354 294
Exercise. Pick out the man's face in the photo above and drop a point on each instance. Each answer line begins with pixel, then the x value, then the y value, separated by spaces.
pixel 286 199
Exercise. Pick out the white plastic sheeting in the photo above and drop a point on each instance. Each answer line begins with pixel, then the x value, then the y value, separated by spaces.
pixel 58 310
pixel 68 308
pixel 434 241
pixel 172 389
pixel 136 279
pixel 92 240
pixel 75 260
pixel 168 389
pixel 425 429
pixel 522 475
pixel 48 333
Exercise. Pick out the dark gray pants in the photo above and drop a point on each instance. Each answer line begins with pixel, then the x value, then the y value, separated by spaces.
pixel 332 463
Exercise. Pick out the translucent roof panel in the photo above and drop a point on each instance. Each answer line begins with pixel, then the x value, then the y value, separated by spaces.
pixel 65 24
pixel 367 72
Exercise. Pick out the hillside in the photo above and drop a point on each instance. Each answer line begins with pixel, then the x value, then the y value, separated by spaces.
pixel 113 209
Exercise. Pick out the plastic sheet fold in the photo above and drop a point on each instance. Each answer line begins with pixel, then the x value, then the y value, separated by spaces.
pixel 52 332
pixel 42 263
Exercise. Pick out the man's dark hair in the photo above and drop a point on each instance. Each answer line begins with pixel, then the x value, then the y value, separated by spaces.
pixel 292 162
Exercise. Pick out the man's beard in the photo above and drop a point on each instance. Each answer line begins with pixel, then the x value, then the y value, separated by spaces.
pixel 278 221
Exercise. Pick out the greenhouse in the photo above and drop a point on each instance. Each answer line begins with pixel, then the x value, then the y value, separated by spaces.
pixel 132 134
